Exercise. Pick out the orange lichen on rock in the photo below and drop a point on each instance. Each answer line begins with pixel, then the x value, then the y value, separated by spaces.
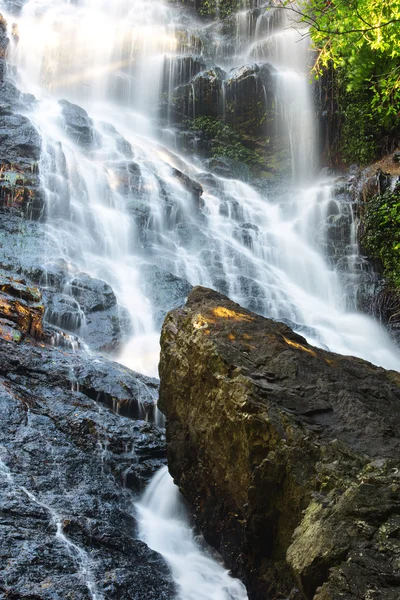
pixel 330 362
pixel 20 313
pixel 225 313
pixel 299 347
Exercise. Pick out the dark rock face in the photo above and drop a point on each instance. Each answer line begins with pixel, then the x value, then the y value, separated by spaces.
pixel 375 295
pixel 287 454
pixel 4 41
pixel 20 145
pixel 250 97
pixel 201 96
pixel 20 142
pixel 66 463
pixel 19 181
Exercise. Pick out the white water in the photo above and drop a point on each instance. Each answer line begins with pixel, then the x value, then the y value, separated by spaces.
pixel 110 59
pixel 163 526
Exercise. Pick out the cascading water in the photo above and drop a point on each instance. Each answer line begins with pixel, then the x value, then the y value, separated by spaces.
pixel 115 202
pixel 163 526
pixel 119 188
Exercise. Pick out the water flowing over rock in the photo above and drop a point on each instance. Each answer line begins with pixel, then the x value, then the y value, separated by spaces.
pixel 77 124
pixel 288 455
pixel 66 463
pixel 135 102
pixel 148 146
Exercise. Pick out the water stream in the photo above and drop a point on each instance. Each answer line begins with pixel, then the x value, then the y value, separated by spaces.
pixel 118 206
pixel 163 525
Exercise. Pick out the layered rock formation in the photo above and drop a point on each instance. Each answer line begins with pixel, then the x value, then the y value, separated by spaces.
pixel 67 519
pixel 288 455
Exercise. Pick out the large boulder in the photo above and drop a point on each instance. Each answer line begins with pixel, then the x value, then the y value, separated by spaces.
pixel 201 96
pixel 251 99
pixel 288 455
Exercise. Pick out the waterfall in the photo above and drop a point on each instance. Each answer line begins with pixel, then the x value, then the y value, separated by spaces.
pixel 163 525
pixel 114 203
pixel 121 203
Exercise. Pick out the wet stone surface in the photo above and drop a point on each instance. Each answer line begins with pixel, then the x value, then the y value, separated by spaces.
pixel 70 470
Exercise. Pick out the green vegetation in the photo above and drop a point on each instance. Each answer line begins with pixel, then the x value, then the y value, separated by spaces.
pixel 360 40
pixel 381 239
pixel 218 8
pixel 359 132
pixel 224 141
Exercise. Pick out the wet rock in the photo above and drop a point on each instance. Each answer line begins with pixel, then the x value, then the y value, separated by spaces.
pixel 73 301
pixel 179 70
pixel 64 312
pixel 20 190
pixel 375 295
pixel 4 41
pixel 288 455
pixel 21 310
pixel 68 525
pixel 122 144
pixel 20 150
pixel 20 143
pixel 92 294
pixel 12 100
pixel 77 123
pixel 14 6
pixel 165 290
pixel 88 307
pixel 228 168
pixel 128 179
pixel 251 99
pixel 192 186
pixel 202 96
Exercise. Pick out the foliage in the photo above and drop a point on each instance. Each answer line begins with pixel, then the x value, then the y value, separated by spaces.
pixel 381 239
pixel 360 39
pixel 363 37
pixel 224 140
pixel 358 133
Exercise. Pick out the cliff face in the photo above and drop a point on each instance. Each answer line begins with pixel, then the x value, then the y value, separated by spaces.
pixel 287 454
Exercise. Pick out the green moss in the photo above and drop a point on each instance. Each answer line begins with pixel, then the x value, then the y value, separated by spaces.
pixel 381 239
pixel 225 141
